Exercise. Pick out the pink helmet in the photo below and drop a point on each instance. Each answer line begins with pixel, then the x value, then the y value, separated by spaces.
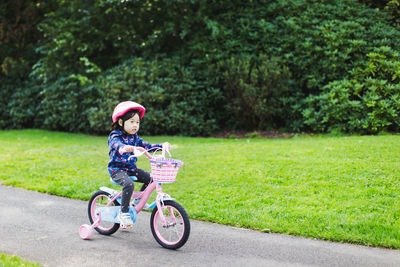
pixel 124 107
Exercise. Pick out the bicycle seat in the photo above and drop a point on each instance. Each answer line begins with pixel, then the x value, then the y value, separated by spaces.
pixel 133 178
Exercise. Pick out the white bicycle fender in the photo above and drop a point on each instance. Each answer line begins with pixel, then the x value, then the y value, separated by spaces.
pixel 109 190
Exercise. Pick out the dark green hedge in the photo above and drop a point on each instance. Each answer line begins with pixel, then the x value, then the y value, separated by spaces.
pixel 203 66
pixel 177 101
pixel 367 101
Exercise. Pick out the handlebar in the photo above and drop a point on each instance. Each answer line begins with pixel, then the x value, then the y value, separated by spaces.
pixel 139 151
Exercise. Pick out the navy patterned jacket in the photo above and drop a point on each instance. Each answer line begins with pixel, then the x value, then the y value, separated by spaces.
pixel 116 140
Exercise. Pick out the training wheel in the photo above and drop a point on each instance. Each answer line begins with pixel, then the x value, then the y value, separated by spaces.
pixel 85 231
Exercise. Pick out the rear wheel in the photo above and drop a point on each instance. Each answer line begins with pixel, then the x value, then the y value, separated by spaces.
pixel 176 232
pixel 98 200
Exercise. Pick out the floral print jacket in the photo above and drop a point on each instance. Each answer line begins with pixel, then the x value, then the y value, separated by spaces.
pixel 118 139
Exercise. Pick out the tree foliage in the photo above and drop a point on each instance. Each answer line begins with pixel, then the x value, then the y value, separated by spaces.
pixel 201 65
pixel 368 101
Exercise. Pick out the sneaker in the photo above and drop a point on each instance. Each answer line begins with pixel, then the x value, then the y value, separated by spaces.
pixel 125 219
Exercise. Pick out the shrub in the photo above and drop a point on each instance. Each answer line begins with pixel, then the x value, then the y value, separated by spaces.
pixel 367 102
pixel 256 90
pixel 18 96
pixel 23 106
pixel 319 43
pixel 18 39
pixel 176 101
pixel 65 105
pixel 187 59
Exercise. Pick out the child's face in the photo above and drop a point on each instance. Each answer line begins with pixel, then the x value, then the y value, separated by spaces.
pixel 131 126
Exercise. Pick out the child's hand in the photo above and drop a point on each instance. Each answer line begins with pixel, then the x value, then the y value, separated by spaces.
pixel 126 149
pixel 166 146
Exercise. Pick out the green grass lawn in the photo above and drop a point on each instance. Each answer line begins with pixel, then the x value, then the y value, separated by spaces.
pixel 14 261
pixel 336 188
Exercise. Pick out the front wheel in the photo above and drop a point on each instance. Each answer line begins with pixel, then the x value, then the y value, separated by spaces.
pixel 176 232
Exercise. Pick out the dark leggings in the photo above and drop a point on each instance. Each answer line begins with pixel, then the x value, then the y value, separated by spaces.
pixel 122 178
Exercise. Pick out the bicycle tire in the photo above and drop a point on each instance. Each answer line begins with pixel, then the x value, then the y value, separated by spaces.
pixel 181 228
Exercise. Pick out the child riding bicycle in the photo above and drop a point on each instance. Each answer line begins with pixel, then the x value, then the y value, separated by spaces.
pixel 122 141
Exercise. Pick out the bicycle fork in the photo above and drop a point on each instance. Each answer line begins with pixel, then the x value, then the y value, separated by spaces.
pixel 160 206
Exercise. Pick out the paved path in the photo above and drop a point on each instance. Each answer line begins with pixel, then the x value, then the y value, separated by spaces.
pixel 44 228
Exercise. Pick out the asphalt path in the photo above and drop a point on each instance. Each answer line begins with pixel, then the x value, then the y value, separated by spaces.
pixel 44 228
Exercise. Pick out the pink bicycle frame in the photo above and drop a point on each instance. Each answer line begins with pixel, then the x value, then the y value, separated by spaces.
pixel 145 195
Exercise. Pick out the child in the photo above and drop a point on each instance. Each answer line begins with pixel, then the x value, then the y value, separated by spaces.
pixel 122 140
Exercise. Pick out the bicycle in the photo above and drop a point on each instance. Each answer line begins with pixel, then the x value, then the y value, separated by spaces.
pixel 169 221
